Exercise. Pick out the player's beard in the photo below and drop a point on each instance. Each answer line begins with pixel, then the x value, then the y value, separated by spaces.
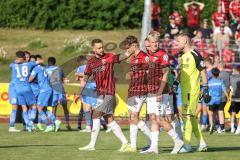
pixel 100 54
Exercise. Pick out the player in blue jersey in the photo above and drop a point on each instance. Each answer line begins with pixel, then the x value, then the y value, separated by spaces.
pixel 216 87
pixel 45 92
pixel 35 89
pixel 56 77
pixel 24 95
pixel 89 97
pixel 13 98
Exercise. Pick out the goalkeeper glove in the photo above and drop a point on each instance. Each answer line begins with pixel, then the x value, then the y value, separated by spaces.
pixel 205 95
pixel 175 86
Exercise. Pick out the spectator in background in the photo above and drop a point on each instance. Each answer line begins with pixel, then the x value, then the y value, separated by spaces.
pixel 228 56
pixel 225 6
pixel 227 29
pixel 225 76
pixel 172 28
pixel 178 17
pixel 235 106
pixel 199 43
pixel 166 43
pixel 218 17
pixel 206 31
pixel 155 16
pixel 194 10
pixel 237 36
pixel 220 39
pixel 234 10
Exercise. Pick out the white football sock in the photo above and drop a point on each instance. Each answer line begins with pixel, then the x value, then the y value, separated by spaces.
pixel 174 135
pixel 177 127
pixel 118 132
pixel 148 124
pixel 133 135
pixel 95 132
pixel 143 127
pixel 232 125
pixel 154 140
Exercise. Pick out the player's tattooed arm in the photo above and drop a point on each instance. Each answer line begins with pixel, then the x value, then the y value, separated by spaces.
pixel 204 77
pixel 164 79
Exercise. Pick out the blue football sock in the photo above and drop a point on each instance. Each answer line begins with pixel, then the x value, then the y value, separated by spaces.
pixel 25 117
pixel 39 119
pixel 51 116
pixel 33 114
pixel 43 118
pixel 13 117
pixel 88 118
pixel 67 118
pixel 204 119
pixel 29 113
pixel 80 117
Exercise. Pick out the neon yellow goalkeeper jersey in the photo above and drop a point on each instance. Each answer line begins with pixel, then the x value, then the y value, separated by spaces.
pixel 191 64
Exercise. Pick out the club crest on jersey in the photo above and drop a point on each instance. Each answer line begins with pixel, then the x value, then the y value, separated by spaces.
pixel 202 64
pixel 165 57
pixel 147 59
pixel 136 61
pixel 104 61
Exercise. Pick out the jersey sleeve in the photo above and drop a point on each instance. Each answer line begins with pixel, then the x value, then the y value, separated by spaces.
pixel 32 64
pixel 115 58
pixel 81 69
pixel 223 86
pixel 34 72
pixel 200 65
pixel 88 69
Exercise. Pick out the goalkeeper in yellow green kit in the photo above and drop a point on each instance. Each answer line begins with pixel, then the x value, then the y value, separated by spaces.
pixel 191 68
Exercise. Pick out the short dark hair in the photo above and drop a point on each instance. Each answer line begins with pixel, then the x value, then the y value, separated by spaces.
pixel 94 41
pixel 32 56
pixel 38 56
pixel 129 40
pixel 81 59
pixel 51 61
pixel 20 54
pixel 215 72
pixel 26 52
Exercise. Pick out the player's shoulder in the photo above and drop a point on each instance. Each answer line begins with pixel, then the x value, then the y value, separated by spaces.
pixel 81 67
pixel 110 54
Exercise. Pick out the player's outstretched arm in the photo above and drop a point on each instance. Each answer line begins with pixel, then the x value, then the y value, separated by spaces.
pixel 127 54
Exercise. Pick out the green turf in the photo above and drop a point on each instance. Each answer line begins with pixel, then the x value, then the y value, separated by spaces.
pixel 64 145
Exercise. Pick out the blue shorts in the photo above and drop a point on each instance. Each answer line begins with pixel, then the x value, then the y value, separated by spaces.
pixel 58 97
pixel 12 94
pixel 26 97
pixel 89 100
pixel 35 90
pixel 43 98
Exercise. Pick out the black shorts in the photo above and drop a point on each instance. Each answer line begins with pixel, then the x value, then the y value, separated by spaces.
pixel 235 107
pixel 222 105
pixel 214 107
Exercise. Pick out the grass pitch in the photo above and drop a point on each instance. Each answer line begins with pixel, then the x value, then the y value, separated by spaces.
pixel 64 145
